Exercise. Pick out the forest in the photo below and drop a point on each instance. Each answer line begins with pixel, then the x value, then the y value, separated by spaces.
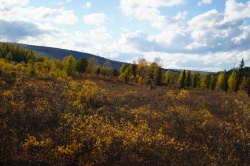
pixel 76 112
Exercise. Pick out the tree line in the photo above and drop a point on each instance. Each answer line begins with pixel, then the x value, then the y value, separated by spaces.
pixel 143 72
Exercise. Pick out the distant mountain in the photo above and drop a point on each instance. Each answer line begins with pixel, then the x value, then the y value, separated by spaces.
pixel 58 53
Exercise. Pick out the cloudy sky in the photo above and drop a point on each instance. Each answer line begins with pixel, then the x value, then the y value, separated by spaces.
pixel 203 35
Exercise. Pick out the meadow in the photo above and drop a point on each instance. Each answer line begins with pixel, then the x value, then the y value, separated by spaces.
pixel 96 120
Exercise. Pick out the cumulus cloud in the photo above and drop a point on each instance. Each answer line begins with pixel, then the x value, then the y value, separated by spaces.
pixel 6 4
pixel 215 31
pixel 16 30
pixel 204 2
pixel 13 11
pixel 95 19
pixel 100 33
pixel 66 17
pixel 235 13
pixel 148 11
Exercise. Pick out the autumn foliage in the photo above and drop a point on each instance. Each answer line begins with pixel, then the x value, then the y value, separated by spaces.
pixel 51 118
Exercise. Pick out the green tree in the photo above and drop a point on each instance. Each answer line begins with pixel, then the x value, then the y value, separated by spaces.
pixel 168 77
pixel 204 82
pixel 134 69
pixel 81 65
pixel 9 56
pixel 69 63
pixel 232 80
pixel 248 87
pixel 195 80
pixel 240 75
pixel 213 82
pixel 208 81
pixel 125 73
pixel 155 74
pixel 115 72
pixel 182 79
pixel 188 79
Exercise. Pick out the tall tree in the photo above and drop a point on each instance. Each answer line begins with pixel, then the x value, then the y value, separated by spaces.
pixel 248 87
pixel 223 81
pixel 240 75
pixel 195 80
pixel 134 69
pixel 125 73
pixel 155 74
pixel 142 68
pixel 9 56
pixel 106 68
pixel 69 63
pixel 232 80
pixel 107 65
pixel 188 79
pixel 92 65
pixel 213 82
pixel 81 65
pixel 182 79
pixel 168 77
pixel 204 82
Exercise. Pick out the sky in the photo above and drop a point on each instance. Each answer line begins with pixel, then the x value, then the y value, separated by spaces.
pixel 204 35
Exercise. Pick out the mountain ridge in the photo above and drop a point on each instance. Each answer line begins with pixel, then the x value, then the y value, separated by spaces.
pixel 60 53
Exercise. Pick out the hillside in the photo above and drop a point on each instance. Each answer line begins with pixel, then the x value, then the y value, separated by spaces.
pixel 58 53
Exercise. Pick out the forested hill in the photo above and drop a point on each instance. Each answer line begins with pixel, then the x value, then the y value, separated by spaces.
pixel 58 53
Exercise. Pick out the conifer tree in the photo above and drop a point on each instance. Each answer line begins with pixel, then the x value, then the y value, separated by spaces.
pixel 239 75
pixel 195 80
pixel 213 82
pixel 248 88
pixel 81 65
pixel 188 79
pixel 182 79
pixel 225 83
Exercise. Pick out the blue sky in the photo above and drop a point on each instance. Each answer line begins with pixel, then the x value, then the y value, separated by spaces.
pixel 204 35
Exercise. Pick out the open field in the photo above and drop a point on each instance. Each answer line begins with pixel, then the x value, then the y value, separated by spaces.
pixel 94 120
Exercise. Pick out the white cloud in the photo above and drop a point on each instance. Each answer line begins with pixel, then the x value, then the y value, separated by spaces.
pixel 11 3
pixel 66 17
pixel 235 12
pixel 214 31
pixel 148 11
pixel 87 5
pixel 95 19
pixel 68 1
pixel 204 2
pixel 100 33
pixel 37 14
pixel 28 13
